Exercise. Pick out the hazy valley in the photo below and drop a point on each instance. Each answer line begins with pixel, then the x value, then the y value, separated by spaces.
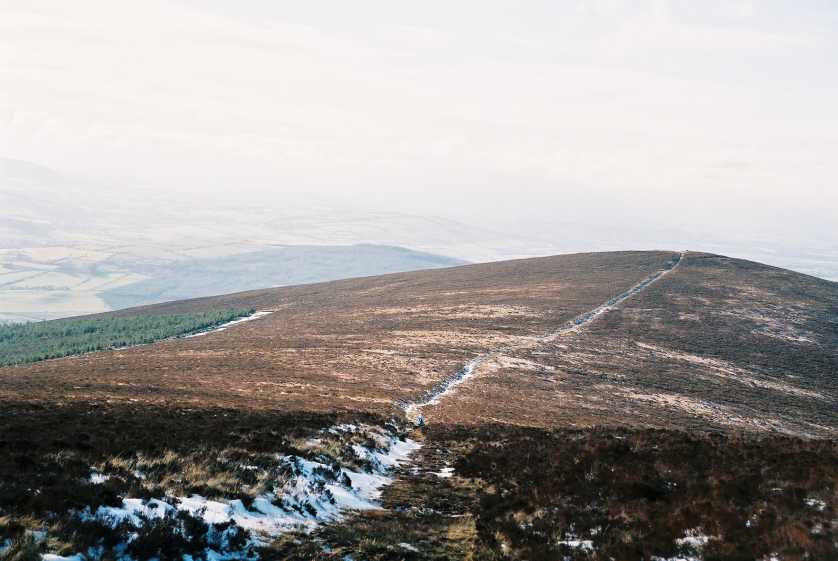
pixel 70 247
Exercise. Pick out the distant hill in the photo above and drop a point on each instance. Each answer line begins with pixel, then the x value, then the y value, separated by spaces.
pixel 280 266
pixel 69 247
pixel 54 282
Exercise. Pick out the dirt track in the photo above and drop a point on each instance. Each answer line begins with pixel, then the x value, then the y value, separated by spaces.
pixel 414 408
pixel 722 344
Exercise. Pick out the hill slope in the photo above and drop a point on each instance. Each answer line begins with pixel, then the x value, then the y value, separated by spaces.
pixel 633 405
pixel 718 342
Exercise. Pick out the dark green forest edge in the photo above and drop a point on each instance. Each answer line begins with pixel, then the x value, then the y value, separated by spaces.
pixel 33 342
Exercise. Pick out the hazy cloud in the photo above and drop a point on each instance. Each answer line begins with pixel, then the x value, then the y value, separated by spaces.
pixel 487 111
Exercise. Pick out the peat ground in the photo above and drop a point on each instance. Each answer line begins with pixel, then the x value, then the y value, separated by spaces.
pixel 488 492
pixel 500 492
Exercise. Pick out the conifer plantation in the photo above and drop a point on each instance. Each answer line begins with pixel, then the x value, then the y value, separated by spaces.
pixel 31 342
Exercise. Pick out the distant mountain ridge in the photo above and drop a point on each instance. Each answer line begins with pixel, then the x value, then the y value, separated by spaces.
pixel 50 283
pixel 272 267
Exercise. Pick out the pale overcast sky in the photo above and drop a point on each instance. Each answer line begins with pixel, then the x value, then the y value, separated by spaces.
pixel 710 117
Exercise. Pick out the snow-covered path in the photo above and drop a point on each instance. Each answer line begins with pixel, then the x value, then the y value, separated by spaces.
pixel 223 326
pixel 434 396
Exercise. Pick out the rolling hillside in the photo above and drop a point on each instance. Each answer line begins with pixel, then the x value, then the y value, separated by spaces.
pixel 650 360
pixel 719 341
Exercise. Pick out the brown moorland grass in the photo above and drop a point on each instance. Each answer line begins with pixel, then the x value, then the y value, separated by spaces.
pixel 598 494
pixel 718 343
pixel 337 346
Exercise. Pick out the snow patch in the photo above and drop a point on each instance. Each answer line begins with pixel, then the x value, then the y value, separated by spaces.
pixel 97 478
pixel 314 493
pixel 584 545
pixel 445 472
pixel 311 491
pixel 694 538
pixel 817 504
pixel 228 324
pixel 696 541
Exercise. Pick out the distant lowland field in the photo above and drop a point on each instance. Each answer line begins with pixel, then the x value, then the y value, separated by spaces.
pixel 55 282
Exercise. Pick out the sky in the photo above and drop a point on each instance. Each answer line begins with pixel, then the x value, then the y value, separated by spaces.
pixel 707 119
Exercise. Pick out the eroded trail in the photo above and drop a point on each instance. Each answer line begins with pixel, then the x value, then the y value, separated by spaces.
pixel 413 409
